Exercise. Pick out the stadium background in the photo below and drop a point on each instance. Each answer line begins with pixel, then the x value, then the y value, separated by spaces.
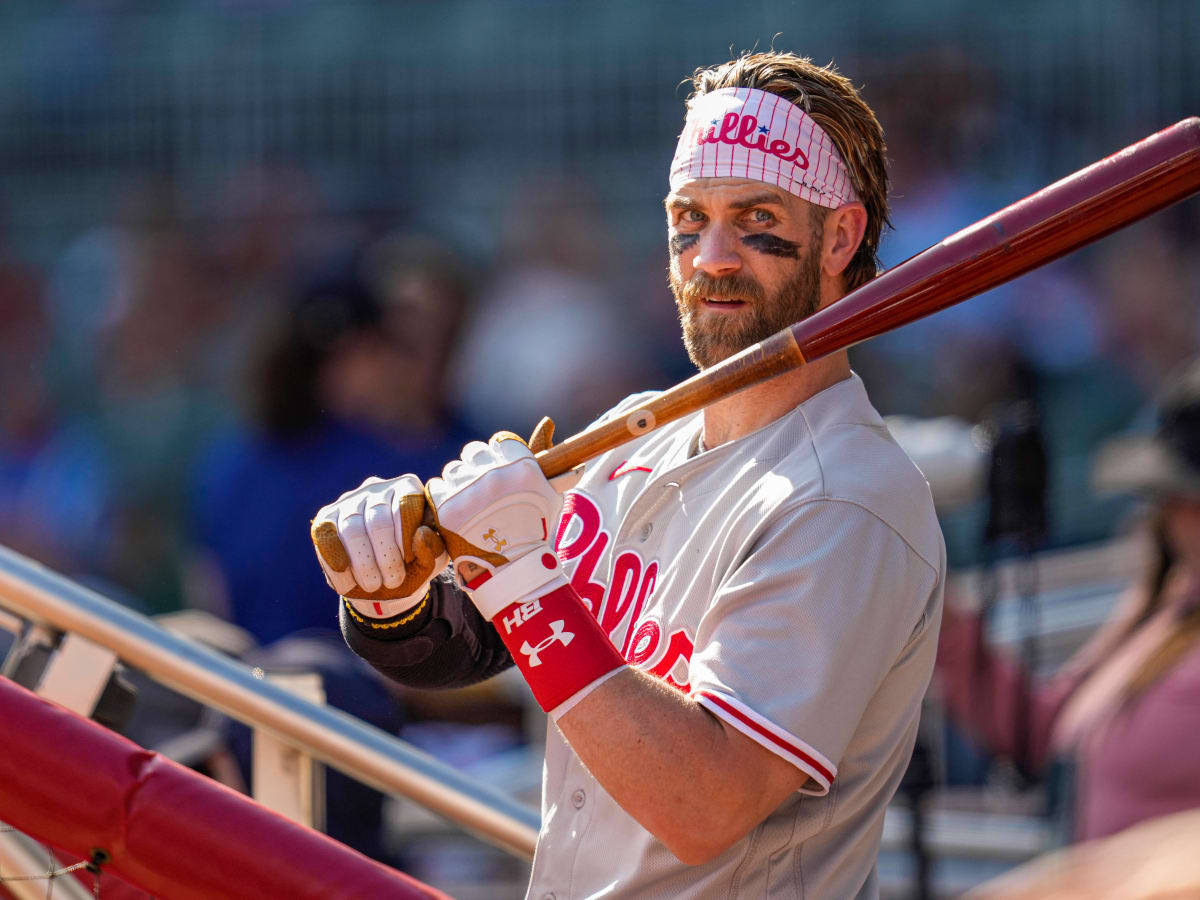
pixel 174 177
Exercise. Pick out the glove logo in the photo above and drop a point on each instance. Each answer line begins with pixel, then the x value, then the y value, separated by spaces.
pixel 498 542
pixel 521 615
pixel 556 634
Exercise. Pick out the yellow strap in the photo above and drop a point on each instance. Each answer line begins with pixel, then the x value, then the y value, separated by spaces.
pixel 385 625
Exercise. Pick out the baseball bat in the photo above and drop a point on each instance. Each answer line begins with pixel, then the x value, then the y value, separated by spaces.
pixel 1068 214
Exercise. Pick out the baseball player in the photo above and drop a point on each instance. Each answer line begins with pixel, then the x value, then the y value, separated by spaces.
pixel 731 620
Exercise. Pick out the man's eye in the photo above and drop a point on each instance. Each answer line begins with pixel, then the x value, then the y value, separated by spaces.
pixel 692 216
pixel 761 217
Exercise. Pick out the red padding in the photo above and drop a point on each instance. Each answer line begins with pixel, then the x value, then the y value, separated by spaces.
pixel 75 785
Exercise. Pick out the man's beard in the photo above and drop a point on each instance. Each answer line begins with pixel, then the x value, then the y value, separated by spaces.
pixel 711 337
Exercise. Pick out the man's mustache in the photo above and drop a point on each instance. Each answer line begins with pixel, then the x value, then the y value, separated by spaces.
pixel 702 285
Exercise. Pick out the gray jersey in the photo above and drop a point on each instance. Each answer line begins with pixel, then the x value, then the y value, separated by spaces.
pixel 791 582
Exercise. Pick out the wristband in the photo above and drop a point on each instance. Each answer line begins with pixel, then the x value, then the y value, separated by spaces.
pixel 525 578
pixel 385 609
pixel 558 646
pixel 381 625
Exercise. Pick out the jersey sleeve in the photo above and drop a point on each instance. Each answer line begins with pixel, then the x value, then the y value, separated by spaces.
pixel 803 632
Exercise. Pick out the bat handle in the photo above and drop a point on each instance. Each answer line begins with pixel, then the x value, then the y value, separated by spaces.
pixel 777 354
pixel 557 462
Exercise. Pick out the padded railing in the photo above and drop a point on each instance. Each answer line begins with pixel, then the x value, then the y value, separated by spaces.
pixel 160 826
pixel 372 756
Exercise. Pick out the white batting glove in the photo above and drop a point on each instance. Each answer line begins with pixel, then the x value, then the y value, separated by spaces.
pixel 497 512
pixel 374 548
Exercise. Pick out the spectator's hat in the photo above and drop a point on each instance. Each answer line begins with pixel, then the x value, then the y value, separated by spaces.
pixel 1166 463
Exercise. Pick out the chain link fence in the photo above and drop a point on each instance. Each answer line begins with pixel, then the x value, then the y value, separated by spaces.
pixel 407 105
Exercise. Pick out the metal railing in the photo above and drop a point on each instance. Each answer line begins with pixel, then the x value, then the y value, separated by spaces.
pixel 329 735
pixel 27 868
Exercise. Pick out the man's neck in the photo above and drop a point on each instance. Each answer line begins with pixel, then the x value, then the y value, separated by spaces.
pixel 751 409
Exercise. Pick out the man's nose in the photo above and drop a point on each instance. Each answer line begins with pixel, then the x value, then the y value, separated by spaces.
pixel 717 252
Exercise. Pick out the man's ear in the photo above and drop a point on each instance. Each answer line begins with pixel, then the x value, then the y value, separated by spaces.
pixel 844 229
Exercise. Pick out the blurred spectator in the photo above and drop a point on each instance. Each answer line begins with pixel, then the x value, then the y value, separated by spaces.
pixel 551 337
pixel 345 386
pixel 55 488
pixel 1149 283
pixel 259 228
pixel 424 291
pixel 1120 716
pixel 132 316
pixel 1155 860
pixel 155 410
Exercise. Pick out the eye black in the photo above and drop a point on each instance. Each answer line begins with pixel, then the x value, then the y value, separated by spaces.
pixel 772 245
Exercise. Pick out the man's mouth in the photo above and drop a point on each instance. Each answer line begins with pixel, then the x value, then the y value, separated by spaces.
pixel 723 303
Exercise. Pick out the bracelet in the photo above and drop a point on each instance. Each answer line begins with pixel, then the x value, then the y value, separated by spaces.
pixel 384 625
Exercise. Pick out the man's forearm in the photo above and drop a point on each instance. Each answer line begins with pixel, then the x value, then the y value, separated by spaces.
pixel 695 783
pixel 447 644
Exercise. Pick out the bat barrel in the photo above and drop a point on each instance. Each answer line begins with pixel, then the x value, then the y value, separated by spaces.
pixel 1093 202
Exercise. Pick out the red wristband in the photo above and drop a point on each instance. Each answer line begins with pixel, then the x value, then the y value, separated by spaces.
pixel 557 644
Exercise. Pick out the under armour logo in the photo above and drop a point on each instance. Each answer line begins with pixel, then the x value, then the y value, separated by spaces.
pixel 500 543
pixel 556 634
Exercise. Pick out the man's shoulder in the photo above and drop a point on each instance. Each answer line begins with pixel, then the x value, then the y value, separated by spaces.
pixel 839 450
pixel 626 406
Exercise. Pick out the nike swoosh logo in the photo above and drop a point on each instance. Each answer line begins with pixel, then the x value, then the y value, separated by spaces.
pixel 621 470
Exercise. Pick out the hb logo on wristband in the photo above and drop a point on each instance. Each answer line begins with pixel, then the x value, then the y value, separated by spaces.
pixel 521 615
pixel 556 634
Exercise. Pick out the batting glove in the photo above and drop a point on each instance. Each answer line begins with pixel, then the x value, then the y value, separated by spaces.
pixel 375 549
pixel 496 511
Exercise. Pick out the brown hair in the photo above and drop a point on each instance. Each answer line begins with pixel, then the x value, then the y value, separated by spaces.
pixel 834 104
pixel 1186 631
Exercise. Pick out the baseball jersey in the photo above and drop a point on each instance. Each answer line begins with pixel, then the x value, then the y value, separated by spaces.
pixel 791 582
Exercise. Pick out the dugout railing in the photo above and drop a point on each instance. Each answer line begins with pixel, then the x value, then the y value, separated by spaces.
pixel 100 632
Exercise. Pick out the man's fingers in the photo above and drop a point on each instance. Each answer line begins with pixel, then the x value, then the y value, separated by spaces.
pixel 506 447
pixel 408 514
pixel 329 546
pixel 352 527
pixel 469 571
pixel 428 549
pixel 543 436
pixel 389 558
pixel 363 540
pixel 332 556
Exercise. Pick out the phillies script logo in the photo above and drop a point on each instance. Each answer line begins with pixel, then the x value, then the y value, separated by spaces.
pixel 744 131
pixel 618 605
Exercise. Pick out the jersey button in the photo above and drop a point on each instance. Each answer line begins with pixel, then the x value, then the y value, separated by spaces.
pixel 645 532
pixel 578 798
pixel 548 896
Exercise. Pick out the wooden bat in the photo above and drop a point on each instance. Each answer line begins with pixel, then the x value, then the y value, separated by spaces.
pixel 1093 202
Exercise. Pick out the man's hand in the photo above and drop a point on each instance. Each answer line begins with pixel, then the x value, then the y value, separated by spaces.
pixel 497 514
pixel 375 547
pixel 496 511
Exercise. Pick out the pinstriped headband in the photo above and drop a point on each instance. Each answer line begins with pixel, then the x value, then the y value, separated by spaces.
pixel 748 133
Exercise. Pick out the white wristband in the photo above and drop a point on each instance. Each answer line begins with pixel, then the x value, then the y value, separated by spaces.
pixel 385 609
pixel 535 574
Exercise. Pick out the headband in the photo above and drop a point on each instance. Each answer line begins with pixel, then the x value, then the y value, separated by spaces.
pixel 748 133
